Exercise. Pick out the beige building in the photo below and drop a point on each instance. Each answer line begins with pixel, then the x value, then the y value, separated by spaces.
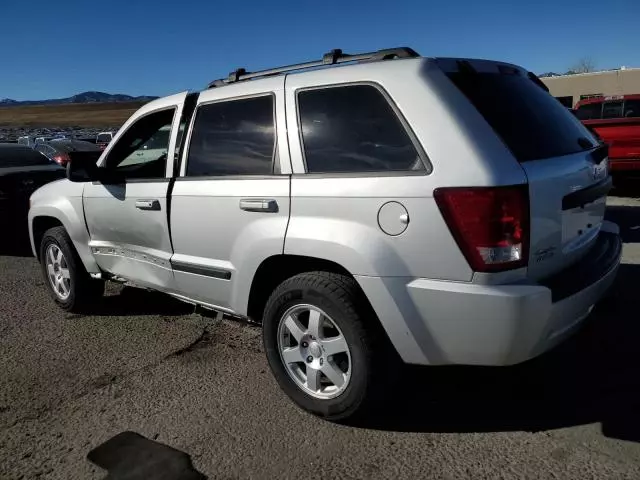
pixel 569 89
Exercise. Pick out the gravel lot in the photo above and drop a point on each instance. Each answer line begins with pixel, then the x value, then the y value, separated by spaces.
pixel 150 365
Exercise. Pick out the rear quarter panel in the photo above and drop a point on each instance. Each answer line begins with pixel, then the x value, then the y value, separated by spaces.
pixel 335 216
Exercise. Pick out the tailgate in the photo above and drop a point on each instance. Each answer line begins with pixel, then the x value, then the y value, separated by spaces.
pixel 567 205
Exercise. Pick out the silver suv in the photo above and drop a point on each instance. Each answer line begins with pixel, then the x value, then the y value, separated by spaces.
pixel 361 207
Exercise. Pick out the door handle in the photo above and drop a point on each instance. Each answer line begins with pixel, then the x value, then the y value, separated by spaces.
pixel 259 205
pixel 148 204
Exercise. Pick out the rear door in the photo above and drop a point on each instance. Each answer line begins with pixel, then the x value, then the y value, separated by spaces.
pixel 566 166
pixel 230 204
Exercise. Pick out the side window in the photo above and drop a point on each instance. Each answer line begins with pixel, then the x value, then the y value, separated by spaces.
pixel 235 137
pixel 353 128
pixel 612 109
pixel 632 108
pixel 142 151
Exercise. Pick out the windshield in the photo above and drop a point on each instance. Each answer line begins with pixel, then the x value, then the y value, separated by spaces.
pixel 74 146
pixel 160 140
pixel 532 123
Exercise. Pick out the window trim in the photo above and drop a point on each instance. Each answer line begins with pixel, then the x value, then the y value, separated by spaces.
pixel 103 162
pixel 424 158
pixel 184 164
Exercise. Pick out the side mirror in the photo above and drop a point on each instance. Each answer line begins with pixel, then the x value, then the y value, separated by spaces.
pixel 82 167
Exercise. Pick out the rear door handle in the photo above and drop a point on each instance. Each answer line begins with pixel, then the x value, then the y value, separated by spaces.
pixel 259 205
pixel 148 204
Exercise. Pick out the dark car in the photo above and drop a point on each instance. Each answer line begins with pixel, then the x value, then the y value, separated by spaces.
pixel 22 171
pixel 58 150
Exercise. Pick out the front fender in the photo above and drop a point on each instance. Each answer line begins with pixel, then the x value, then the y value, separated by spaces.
pixel 69 212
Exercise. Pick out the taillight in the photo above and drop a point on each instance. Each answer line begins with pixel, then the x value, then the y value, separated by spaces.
pixel 490 224
pixel 61 159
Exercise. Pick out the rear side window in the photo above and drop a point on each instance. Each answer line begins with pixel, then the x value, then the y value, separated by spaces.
pixel 531 123
pixel 612 109
pixel 353 128
pixel 631 108
pixel 234 137
pixel 589 111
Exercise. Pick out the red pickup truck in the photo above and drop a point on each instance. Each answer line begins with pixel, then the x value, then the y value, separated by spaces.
pixel 617 121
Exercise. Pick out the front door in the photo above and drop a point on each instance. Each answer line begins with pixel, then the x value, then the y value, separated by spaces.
pixel 127 215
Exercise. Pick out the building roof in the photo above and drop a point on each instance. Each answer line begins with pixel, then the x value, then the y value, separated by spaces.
pixel 601 72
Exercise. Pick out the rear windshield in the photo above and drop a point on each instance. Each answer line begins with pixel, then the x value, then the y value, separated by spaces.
pixel 103 138
pixel 532 123
pixel 20 156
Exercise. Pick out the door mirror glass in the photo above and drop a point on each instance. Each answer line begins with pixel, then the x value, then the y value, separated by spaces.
pixel 82 166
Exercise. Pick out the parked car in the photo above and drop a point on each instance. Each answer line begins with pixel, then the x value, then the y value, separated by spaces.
pixel 22 171
pixel 450 210
pixel 616 119
pixel 58 150
pixel 103 139
pixel 27 141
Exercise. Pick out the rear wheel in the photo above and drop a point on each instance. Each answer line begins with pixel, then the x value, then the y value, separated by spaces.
pixel 71 287
pixel 321 343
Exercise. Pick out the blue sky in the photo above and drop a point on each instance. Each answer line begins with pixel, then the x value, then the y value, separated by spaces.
pixel 56 49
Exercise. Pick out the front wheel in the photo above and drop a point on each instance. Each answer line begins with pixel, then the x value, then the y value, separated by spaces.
pixel 71 287
pixel 320 339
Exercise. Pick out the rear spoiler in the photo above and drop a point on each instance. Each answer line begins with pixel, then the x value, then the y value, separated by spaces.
pixel 537 81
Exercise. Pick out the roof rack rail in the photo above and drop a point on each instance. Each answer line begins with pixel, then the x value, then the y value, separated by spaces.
pixel 333 57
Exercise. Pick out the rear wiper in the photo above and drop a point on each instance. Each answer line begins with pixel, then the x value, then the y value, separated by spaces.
pixel 585 143
pixel 600 153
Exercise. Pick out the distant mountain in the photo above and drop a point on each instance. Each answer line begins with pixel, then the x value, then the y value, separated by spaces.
pixel 84 97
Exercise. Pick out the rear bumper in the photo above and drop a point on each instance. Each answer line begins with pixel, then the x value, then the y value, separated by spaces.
pixel 434 322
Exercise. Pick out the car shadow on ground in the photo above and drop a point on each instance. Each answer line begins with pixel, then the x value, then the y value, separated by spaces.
pixel 625 187
pixel 132 301
pixel 628 219
pixel 591 378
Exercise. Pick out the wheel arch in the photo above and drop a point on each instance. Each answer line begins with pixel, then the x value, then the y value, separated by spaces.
pixel 41 218
pixel 39 226
pixel 276 269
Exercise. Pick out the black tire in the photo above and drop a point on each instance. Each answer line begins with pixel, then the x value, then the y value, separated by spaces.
pixel 342 300
pixel 84 291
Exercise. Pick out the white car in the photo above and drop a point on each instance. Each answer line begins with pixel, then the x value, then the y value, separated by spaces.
pixel 442 211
